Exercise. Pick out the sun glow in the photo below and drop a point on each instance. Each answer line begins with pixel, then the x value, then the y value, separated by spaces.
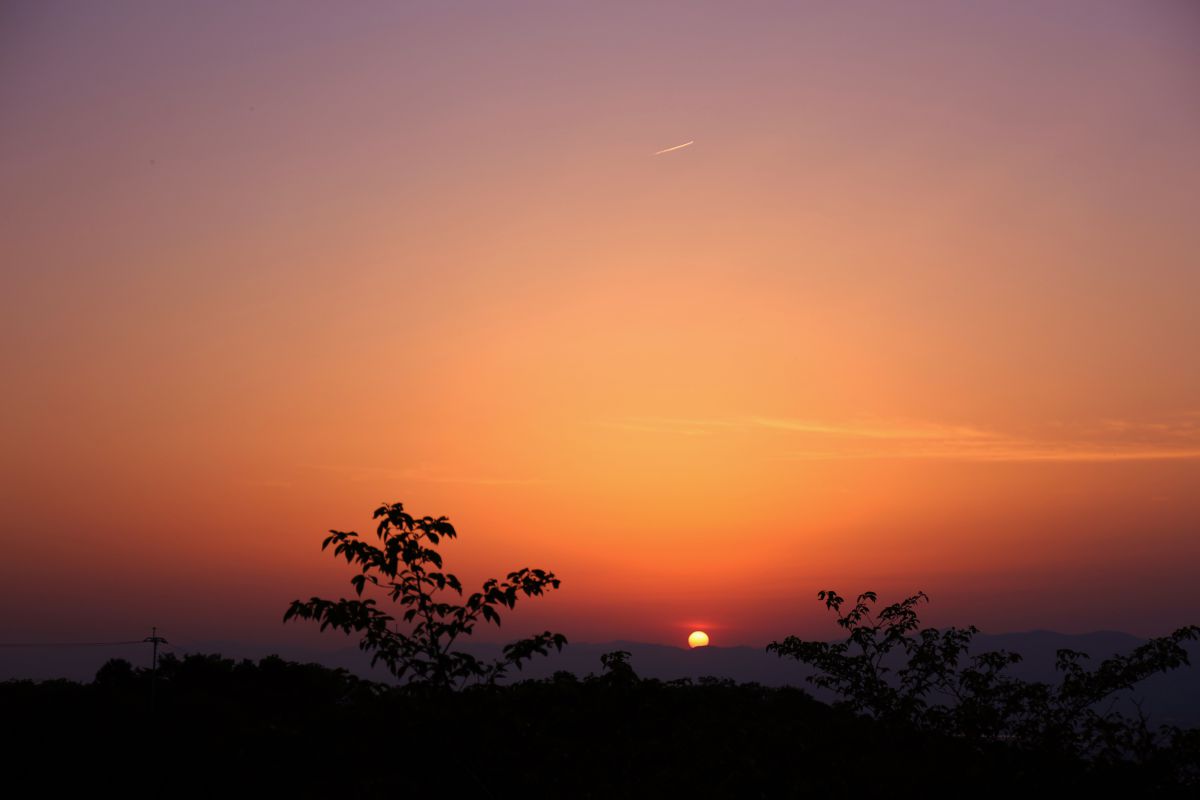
pixel 697 639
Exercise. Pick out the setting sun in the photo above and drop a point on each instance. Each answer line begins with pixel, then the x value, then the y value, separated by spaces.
pixel 697 639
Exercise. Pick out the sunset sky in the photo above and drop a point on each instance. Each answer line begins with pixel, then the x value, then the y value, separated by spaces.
pixel 918 309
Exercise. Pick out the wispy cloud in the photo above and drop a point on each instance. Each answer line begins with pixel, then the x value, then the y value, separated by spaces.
pixel 425 472
pixel 1106 440
pixel 675 425
pixel 268 483
pixel 894 430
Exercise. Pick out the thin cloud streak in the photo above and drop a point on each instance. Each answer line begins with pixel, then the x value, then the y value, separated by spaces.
pixel 1110 441
pixel 676 147
pixel 1006 456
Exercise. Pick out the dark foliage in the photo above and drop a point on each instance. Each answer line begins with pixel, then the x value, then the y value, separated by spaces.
pixel 407 569
pixel 280 729
pixel 892 670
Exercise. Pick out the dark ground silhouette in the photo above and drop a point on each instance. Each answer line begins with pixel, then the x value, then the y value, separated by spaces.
pixel 218 726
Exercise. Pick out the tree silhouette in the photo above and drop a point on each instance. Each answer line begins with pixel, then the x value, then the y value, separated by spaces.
pixel 891 669
pixel 407 568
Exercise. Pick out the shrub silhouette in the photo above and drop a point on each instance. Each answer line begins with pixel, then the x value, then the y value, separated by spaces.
pixel 940 688
pixel 617 669
pixel 408 569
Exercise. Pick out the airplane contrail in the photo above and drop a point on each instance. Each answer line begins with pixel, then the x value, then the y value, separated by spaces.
pixel 676 147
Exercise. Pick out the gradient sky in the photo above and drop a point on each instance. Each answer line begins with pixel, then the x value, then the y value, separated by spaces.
pixel 916 310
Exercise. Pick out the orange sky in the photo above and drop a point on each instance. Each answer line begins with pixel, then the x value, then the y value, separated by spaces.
pixel 917 310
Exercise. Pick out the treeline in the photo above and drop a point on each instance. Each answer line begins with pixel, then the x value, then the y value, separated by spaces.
pixel 205 725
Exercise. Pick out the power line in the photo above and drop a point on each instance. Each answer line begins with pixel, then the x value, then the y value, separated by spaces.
pixel 69 644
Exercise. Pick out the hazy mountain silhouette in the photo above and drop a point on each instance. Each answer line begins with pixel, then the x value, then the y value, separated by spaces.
pixel 1172 697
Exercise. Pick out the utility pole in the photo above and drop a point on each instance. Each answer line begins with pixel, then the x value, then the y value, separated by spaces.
pixel 155 640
